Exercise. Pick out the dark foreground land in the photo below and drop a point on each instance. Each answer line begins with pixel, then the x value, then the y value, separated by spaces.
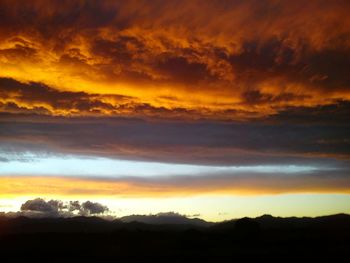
pixel 91 238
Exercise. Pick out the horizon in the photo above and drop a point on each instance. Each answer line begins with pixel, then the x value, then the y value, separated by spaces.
pixel 105 213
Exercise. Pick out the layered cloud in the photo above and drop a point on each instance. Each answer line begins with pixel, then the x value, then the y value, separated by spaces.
pixel 228 84
pixel 178 186
pixel 303 135
pixel 237 59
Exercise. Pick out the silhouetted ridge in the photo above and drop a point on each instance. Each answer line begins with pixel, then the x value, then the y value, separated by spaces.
pixel 173 237
pixel 165 219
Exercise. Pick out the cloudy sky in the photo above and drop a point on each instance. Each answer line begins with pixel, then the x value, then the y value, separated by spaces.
pixel 219 108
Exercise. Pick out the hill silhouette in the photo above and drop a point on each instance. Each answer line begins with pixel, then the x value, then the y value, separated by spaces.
pixel 164 237
pixel 165 218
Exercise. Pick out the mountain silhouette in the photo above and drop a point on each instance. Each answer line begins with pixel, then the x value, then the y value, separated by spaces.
pixel 174 238
pixel 173 219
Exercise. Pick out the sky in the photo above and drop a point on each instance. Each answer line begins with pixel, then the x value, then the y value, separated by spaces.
pixel 219 109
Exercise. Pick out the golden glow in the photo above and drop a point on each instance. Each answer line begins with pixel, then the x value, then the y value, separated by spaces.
pixel 74 187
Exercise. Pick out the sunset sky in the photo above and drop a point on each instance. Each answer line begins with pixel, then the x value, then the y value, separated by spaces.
pixel 213 108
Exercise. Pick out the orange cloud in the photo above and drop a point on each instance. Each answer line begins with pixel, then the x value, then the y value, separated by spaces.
pixel 143 188
pixel 236 59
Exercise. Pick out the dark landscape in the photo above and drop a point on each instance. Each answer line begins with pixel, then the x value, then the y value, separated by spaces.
pixel 174 238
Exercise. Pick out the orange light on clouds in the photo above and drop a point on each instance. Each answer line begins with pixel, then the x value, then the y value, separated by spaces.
pixel 75 187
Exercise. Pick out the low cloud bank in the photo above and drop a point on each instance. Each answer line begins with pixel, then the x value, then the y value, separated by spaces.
pixel 56 208
pixel 41 208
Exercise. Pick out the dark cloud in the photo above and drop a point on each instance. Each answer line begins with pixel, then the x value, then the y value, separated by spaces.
pixel 180 69
pixel 254 97
pixel 39 93
pixel 12 107
pixel 57 208
pixel 3 159
pixel 74 206
pixel 93 208
pixel 123 49
pixel 335 114
pixel 323 70
pixel 39 205
pixel 272 141
pixel 57 204
pixel 328 69
pixel 18 52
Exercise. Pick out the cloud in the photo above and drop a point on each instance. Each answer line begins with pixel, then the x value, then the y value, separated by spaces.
pixel 237 59
pixel 3 159
pixel 336 114
pixel 37 98
pixel 74 206
pixel 56 208
pixel 325 181
pixel 17 97
pixel 209 82
pixel 296 136
pixel 39 205
pixel 92 208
